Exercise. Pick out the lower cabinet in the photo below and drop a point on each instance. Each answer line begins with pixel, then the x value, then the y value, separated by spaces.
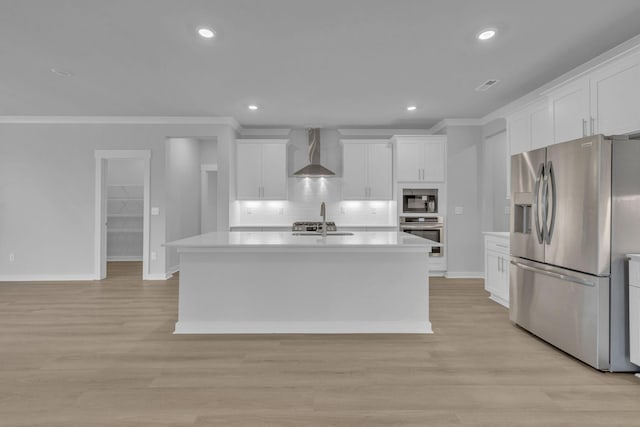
pixel 496 267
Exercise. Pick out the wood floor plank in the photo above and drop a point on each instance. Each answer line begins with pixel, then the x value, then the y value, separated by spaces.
pixel 103 354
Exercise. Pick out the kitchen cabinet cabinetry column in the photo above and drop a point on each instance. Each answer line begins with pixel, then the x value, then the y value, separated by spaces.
pixel 496 267
pixel 367 170
pixel 261 169
pixel 420 158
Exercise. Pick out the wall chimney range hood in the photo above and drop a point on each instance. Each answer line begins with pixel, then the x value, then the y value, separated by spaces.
pixel 314 169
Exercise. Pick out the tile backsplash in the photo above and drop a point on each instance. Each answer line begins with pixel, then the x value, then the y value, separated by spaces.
pixel 303 204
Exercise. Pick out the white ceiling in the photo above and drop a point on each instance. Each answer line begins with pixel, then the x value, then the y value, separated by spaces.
pixel 327 63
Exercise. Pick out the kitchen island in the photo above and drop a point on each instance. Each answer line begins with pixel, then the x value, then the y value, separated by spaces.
pixel 280 282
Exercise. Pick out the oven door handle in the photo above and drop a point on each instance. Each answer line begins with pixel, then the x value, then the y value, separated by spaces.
pixel 420 227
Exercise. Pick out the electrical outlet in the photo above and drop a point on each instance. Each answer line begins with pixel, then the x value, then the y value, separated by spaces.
pixel 154 256
pixel 342 212
pixel 155 211
pixel 373 211
pixel 458 210
pixel 507 210
pixel 250 211
pixel 12 257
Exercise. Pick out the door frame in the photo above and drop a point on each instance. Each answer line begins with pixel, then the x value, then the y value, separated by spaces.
pixel 100 225
pixel 205 170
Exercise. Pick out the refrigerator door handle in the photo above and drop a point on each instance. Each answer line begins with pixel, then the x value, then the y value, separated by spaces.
pixel 552 177
pixel 536 207
pixel 560 276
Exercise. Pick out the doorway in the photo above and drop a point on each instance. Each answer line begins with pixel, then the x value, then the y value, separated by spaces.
pixel 122 222
pixel 208 198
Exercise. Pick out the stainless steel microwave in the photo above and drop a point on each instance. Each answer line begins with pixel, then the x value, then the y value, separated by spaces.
pixel 419 200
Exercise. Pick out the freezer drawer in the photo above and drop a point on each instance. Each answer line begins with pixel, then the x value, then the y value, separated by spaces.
pixel 567 309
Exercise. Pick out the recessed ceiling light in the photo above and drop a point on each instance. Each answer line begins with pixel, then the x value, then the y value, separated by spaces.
pixel 253 107
pixel 62 73
pixel 487 34
pixel 207 33
pixel 411 108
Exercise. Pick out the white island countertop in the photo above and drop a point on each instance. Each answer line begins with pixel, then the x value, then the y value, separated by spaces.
pixel 273 241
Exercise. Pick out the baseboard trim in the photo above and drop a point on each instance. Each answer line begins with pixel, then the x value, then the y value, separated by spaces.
pixel 464 275
pixel 499 300
pixel 303 328
pixel 124 258
pixel 161 276
pixel 48 278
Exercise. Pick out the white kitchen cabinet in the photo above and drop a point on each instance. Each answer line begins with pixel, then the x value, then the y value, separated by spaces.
pixel 519 127
pixel 531 127
pixel 541 124
pixel 367 170
pixel 420 158
pixel 604 101
pixel 615 92
pixel 496 267
pixel 261 169
pixel 571 116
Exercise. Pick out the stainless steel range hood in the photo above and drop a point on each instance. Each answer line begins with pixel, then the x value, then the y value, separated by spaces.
pixel 314 168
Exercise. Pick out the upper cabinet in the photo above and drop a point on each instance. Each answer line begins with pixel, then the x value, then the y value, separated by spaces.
pixel 615 91
pixel 531 127
pixel 367 170
pixel 603 101
pixel 570 106
pixel 261 169
pixel 420 157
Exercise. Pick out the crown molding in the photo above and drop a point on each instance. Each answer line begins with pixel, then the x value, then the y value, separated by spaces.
pixel 382 133
pixel 264 132
pixel 134 120
pixel 455 122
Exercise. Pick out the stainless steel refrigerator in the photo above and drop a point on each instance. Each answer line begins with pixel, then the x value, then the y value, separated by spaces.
pixel 575 214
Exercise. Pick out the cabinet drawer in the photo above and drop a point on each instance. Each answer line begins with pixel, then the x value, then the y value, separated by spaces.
pixel 498 245
pixel 634 273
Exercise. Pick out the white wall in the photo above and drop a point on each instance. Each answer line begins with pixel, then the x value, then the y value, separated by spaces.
pixel 47 174
pixel 464 239
pixel 183 193
pixel 493 183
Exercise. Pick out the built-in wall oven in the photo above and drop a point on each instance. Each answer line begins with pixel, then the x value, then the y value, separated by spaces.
pixel 419 200
pixel 428 227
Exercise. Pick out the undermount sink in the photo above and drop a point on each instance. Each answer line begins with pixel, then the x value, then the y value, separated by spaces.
pixel 315 233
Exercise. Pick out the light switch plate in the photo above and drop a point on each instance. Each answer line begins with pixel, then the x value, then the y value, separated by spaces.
pixel 507 210
pixel 155 211
pixel 458 210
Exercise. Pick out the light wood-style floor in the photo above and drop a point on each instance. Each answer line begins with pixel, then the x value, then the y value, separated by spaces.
pixel 103 354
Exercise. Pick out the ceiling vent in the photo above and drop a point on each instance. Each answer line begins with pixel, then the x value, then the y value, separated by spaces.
pixel 487 85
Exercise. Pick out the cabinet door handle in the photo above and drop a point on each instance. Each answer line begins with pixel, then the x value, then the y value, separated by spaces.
pixel 592 123
pixel 584 127
pixel 419 174
pixel 498 259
